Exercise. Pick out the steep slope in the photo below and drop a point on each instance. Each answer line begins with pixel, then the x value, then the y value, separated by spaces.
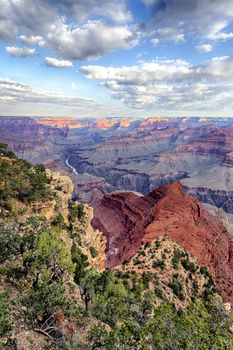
pixel 55 295
pixel 171 272
pixel 129 220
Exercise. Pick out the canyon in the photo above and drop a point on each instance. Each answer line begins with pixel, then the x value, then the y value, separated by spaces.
pixel 70 269
pixel 114 154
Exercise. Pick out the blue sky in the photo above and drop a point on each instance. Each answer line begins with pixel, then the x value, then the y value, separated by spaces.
pixel 116 58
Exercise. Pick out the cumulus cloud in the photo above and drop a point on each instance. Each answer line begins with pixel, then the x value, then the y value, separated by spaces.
pixel 157 70
pixel 31 39
pixel 91 40
pixel 169 84
pixel 20 51
pixel 25 17
pixel 204 48
pixel 53 62
pixel 72 28
pixel 207 19
pixel 18 92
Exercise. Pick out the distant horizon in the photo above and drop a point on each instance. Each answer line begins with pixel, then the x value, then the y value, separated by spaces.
pixel 115 117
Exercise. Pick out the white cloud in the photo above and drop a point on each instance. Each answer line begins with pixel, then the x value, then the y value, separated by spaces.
pixel 20 51
pixel 215 31
pixel 18 92
pixel 204 48
pixel 31 39
pixel 218 69
pixel 169 84
pixel 53 62
pixel 91 40
pixel 157 70
pixel 70 28
pixel 202 19
pixel 154 41
pixel 17 98
pixel 171 34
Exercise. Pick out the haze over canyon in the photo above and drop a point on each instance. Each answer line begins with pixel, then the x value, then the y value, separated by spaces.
pixel 115 154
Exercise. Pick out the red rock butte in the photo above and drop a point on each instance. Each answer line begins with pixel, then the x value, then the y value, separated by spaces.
pixel 129 220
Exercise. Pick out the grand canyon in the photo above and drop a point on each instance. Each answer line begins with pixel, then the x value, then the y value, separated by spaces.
pixel 140 250
pixel 116 175
pixel 106 155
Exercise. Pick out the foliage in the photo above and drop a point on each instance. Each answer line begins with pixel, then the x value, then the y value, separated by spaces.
pixel 19 180
pixel 111 299
pixel 177 288
pixel 59 221
pixel 76 211
pixel 159 263
pixel 44 300
pixel 47 265
pixel 45 261
pixel 3 146
pixel 178 254
pixel 189 266
pixel 81 262
pixel 50 259
pixel 10 243
pixel 5 325
pixel 93 252
pixel 200 327
pixel 125 310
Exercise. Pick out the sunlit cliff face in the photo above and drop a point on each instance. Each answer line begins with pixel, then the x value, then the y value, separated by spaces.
pixel 104 124
pixel 153 120
pixel 61 122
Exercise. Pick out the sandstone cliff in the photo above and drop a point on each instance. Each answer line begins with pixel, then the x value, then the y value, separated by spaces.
pixel 128 221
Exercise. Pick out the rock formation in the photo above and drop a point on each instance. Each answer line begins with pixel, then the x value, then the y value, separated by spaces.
pixel 129 220
pixel 131 154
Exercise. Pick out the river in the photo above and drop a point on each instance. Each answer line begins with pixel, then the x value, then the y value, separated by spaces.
pixel 70 166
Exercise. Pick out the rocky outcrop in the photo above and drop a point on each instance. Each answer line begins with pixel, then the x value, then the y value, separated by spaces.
pixel 128 221
pixel 62 189
pixel 92 242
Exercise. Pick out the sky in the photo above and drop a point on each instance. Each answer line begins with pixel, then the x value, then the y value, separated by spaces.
pixel 116 58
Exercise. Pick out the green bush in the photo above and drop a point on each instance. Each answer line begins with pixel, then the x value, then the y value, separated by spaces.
pixel 157 244
pixel 10 243
pixel 59 221
pixel 76 211
pixel 93 252
pixel 188 266
pixel 177 288
pixel 5 325
pixel 21 181
pixel 158 263
pixel 178 254
pixel 43 301
pixel 159 292
pixel 81 262
pixel 204 271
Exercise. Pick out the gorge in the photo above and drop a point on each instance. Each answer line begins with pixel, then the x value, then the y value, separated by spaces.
pixel 105 155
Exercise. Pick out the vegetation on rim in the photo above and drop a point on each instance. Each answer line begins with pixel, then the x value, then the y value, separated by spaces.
pixel 48 280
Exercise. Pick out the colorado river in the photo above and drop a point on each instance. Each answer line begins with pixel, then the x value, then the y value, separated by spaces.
pixel 70 166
